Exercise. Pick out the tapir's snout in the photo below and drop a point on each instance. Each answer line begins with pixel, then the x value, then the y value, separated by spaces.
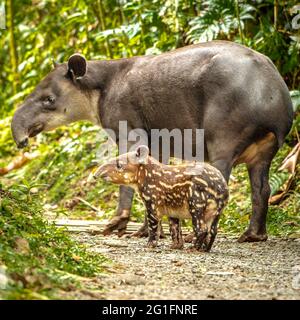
pixel 19 129
pixel 100 172
pixel 24 126
pixel 22 144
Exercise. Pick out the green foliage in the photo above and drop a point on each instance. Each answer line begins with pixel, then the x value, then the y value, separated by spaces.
pixel 277 181
pixel 219 19
pixel 120 28
pixel 7 145
pixel 39 256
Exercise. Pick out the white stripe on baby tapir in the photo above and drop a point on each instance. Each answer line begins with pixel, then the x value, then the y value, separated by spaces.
pixel 146 197
pixel 181 184
pixel 201 181
pixel 211 191
pixel 156 173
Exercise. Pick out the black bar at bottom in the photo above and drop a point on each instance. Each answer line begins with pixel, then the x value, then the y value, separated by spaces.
pixel 176 309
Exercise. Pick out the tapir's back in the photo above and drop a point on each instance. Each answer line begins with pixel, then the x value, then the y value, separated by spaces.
pixel 216 83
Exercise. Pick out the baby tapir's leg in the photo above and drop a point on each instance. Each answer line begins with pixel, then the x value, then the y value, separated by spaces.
pixel 205 219
pixel 176 234
pixel 153 223
pixel 200 229
pixel 197 206
pixel 211 235
pixel 143 231
pixel 209 222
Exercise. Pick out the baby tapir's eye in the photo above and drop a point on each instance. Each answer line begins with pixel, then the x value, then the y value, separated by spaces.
pixel 119 165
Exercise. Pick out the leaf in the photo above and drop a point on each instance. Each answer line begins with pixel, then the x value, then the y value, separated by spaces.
pixel 76 258
pixel 281 181
pixel 290 162
pixel 295 96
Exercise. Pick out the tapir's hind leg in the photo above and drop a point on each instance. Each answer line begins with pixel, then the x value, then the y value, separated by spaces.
pixel 209 222
pixel 212 230
pixel 258 159
pixel 176 233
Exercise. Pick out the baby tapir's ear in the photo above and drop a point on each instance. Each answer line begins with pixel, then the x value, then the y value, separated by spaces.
pixel 77 66
pixel 142 153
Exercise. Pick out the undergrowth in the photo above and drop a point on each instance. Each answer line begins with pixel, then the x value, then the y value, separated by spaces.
pixel 37 259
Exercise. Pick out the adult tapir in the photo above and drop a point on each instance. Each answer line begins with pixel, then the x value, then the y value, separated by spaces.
pixel 234 93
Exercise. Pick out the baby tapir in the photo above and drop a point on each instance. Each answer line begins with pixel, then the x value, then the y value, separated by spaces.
pixel 190 190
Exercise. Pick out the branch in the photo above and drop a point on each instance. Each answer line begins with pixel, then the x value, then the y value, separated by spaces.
pixel 18 162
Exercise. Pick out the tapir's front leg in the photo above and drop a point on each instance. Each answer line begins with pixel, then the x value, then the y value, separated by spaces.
pixel 153 223
pixel 119 222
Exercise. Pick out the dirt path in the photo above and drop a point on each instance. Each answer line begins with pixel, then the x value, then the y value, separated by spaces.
pixel 269 270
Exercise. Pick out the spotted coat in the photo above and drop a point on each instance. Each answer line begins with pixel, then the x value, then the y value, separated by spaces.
pixel 190 190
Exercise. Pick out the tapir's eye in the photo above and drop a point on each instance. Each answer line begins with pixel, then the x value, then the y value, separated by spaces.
pixel 48 102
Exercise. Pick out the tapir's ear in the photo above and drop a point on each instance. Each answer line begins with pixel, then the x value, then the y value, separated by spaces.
pixel 142 153
pixel 77 66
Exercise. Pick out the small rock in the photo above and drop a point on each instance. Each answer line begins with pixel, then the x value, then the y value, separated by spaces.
pixel 132 280
pixel 116 244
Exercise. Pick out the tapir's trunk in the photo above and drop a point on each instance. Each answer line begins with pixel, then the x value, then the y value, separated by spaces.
pixel 19 128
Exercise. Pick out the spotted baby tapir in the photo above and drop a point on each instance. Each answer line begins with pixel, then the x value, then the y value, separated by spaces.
pixel 190 190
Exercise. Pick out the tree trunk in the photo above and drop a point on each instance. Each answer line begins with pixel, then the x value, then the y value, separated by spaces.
pixel 12 45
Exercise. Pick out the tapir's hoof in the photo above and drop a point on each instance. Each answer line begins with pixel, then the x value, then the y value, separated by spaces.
pixel 141 233
pixel 117 223
pixel 161 232
pixel 249 236
pixel 193 249
pixel 177 245
pixel 152 244
pixel 189 238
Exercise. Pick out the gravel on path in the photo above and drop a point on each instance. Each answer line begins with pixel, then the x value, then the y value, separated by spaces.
pixel 232 270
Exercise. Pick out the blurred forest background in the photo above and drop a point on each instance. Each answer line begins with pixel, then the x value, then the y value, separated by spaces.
pixel 41 261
